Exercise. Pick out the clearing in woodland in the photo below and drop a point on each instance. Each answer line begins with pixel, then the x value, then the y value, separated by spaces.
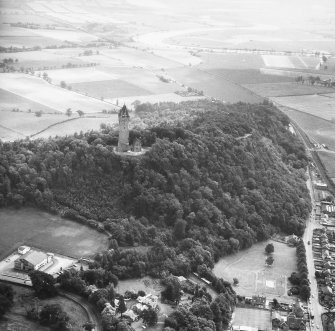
pixel 255 278
pixel 48 232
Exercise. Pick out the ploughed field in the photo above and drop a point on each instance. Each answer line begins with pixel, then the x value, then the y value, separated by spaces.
pixel 48 232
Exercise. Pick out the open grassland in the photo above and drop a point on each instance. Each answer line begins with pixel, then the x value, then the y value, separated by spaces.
pixel 10 101
pixel 48 232
pixel 255 318
pixel 77 125
pixel 26 124
pixel 109 89
pixel 277 61
pixel 286 89
pixel 231 61
pixel 248 266
pixel 25 298
pixel 78 75
pixel 66 35
pixel 155 98
pixel 248 76
pixel 319 105
pixel 213 84
pixel 141 58
pixel 54 97
pixel 144 79
pixel 328 160
pixel 40 60
pixel 318 129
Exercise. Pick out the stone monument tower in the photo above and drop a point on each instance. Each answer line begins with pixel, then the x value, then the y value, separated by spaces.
pixel 123 144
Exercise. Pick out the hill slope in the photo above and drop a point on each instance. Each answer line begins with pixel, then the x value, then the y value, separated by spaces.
pixel 207 187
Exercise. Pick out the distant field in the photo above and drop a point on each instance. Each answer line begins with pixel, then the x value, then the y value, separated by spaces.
pixel 54 97
pixel 155 98
pixel 49 232
pixel 9 100
pixel 109 88
pixel 145 59
pixel 277 61
pixel 231 61
pixel 27 124
pixel 286 89
pixel 317 105
pixel 213 85
pixel 80 124
pixel 40 60
pixel 318 129
pixel 248 266
pixel 144 79
pixel 248 76
pixel 328 159
pixel 78 75
pixel 66 35
pixel 28 41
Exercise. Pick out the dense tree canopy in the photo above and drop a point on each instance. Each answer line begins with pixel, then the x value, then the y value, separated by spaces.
pixel 207 187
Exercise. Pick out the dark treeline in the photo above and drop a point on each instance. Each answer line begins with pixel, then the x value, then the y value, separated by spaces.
pixel 205 189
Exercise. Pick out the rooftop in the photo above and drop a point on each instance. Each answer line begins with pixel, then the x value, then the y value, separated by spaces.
pixel 34 257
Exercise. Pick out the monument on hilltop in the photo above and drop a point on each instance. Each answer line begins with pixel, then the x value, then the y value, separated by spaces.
pixel 124 118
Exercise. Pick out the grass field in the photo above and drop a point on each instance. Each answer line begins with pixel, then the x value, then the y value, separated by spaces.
pixel 54 97
pixel 328 159
pixel 213 84
pixel 81 124
pixel 273 89
pixel 109 88
pixel 78 75
pixel 320 130
pixel 138 58
pixel 28 41
pixel 48 232
pixel 248 76
pixel 66 35
pixel 231 61
pixel 27 124
pixel 256 318
pixel 40 60
pixel 319 105
pixel 248 266
pixel 11 100
pixel 25 298
pixel 155 98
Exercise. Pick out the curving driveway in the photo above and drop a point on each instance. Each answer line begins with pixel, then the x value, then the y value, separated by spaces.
pixel 91 312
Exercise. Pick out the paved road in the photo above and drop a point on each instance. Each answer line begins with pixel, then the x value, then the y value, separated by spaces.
pixel 315 307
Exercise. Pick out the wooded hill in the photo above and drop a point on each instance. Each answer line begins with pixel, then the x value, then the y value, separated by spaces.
pixel 207 187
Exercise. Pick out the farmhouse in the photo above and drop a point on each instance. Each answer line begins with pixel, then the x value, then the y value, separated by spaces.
pixel 32 260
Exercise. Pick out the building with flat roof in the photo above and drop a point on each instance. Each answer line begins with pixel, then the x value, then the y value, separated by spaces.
pixel 32 260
